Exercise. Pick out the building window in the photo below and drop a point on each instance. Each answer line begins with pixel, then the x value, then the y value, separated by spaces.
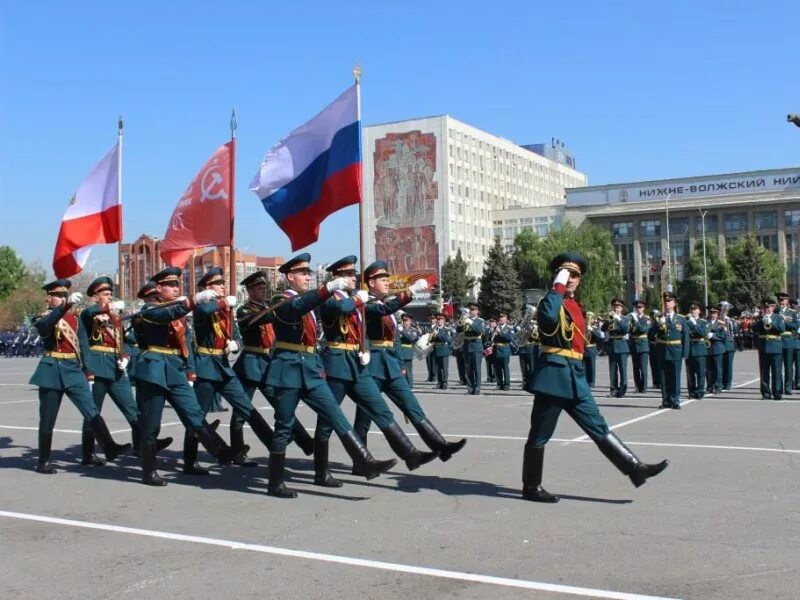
pixel 769 241
pixel 712 224
pixel 679 249
pixel 791 218
pixel 622 230
pixel 679 226
pixel 650 228
pixel 766 220
pixel 735 223
pixel 651 253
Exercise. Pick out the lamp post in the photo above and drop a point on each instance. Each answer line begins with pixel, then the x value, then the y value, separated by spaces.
pixel 705 266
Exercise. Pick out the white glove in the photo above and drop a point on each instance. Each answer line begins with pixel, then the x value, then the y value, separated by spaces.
pixel 467 321
pixel 363 358
pixel 191 383
pixel 231 346
pixel 635 317
pixel 205 296
pixel 181 299
pixel 420 285
pixel 617 317
pixel 710 335
pixel 122 364
pixel 562 277
pixel 340 283
pixel 231 301
pixel 363 295
pixel 75 297
pixel 662 320
pixel 626 336
pixel 692 320
pixel 91 384
pixel 117 305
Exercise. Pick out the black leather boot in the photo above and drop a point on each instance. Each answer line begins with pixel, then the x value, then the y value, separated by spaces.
pixel 627 462
pixel 276 487
pixel 532 464
pixel 190 451
pixel 45 443
pixel 402 446
pixel 136 440
pixel 237 443
pixel 89 458
pixel 217 446
pixel 435 441
pixel 322 476
pixel 301 437
pixel 110 448
pixel 363 463
pixel 147 450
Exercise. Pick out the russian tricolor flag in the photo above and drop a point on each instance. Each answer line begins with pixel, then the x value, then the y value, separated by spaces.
pixel 314 171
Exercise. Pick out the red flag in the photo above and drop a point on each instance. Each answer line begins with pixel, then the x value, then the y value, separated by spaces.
pixel 203 216
pixel 448 309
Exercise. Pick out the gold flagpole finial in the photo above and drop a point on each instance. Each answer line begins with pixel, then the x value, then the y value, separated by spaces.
pixel 357 71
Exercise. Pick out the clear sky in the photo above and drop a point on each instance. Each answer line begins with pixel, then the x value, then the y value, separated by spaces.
pixel 637 92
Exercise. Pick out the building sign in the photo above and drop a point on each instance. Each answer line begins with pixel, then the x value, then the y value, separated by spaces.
pixel 680 189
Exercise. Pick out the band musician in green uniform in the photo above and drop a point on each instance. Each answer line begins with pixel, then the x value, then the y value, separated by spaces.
pixel 769 329
pixel 789 339
pixel 409 335
pixel 617 327
pixel 699 334
pixel 671 332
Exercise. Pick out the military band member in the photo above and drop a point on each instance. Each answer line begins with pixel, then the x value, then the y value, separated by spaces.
pixel 616 328
pixel 473 328
pixel 254 320
pixel 347 373
pixel 60 371
pixel 640 345
pixel 409 335
pixel 716 351
pixel 502 341
pixel 594 339
pixel 655 366
pixel 441 338
pixel 769 329
pixel 731 333
pixel 106 364
pixel 796 386
pixel 699 333
pixel 789 339
pixel 559 384
pixel 164 374
pixel 491 326
pixel 297 373
pixel 528 349
pixel 671 333
pixel 385 365
pixel 458 354
pixel 430 358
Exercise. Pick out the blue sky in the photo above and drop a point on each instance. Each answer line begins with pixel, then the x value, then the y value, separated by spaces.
pixel 636 92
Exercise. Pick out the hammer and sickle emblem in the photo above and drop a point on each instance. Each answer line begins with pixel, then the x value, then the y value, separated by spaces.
pixel 210 181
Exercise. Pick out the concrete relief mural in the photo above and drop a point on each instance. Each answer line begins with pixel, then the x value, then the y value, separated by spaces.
pixel 408 249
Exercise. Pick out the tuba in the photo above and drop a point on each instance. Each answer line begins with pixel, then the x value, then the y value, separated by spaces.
pixel 422 347
pixel 458 337
pixel 527 327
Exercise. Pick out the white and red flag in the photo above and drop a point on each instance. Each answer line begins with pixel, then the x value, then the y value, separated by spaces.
pixel 203 214
pixel 94 216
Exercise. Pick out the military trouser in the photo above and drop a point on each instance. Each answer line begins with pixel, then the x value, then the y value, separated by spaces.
pixel 430 362
pixel 547 409
pixel 590 366
pixel 408 365
pixel 320 399
pixel 655 368
pixel 238 418
pixel 797 366
pixel 460 367
pixel 525 360
pixel 472 370
pixel 696 376
pixel 770 366
pixel 671 382
pixel 400 393
pixel 640 360
pixel 714 367
pixel 788 364
pixel 490 378
pixel 50 402
pixel 618 373
pixel 502 371
pixel 121 393
pixel 727 369
pixel 365 393
pixel 180 396
pixel 442 370
pixel 207 392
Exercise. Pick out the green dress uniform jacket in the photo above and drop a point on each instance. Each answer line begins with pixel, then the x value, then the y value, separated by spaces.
pixel 257 339
pixel 640 350
pixel 769 338
pixel 716 353
pixel 154 328
pixel 617 347
pixel 671 334
pixel 212 329
pixel 696 361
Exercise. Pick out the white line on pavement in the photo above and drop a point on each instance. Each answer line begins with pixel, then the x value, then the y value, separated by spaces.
pixel 37 429
pixel 345 560
pixel 19 401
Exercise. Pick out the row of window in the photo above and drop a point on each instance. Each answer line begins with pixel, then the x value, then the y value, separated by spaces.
pixel 733 223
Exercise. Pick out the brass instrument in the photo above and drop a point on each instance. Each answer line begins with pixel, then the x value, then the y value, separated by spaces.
pixel 458 338
pixel 527 327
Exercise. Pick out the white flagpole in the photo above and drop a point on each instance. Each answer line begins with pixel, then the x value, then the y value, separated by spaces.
pixel 121 282
pixel 669 249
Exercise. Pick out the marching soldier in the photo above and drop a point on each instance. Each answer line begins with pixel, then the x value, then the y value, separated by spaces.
pixel 560 384
pixel 347 373
pixel 594 338
pixel 408 337
pixel 790 341
pixel 502 342
pixel 297 373
pixel 672 336
pixel 488 334
pixel 385 365
pixel 716 351
pixel 731 333
pixel 430 358
pixel 441 337
pixel 769 331
pixel 616 328
pixel 163 374
pixel 106 364
pixel 254 319
pixel 473 328
pixel 640 345
pixel 698 351
pixel 60 371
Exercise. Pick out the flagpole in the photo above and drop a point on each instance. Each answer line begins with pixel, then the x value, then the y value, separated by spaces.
pixel 357 71
pixel 121 282
pixel 669 250
pixel 232 264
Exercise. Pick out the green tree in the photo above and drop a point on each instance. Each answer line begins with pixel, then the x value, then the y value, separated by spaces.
pixel 26 300
pixel 602 282
pixel 720 277
pixel 500 284
pixel 11 271
pixel 757 272
pixel 455 281
pixel 652 298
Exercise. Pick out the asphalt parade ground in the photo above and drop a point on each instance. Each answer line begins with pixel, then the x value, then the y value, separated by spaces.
pixel 722 522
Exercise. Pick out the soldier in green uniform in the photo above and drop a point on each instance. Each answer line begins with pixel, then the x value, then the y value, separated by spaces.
pixel 671 332
pixel 491 326
pixel 768 330
pixel 163 373
pixel 106 364
pixel 347 373
pixel 473 327
pixel 655 366
pixel 409 335
pixel 458 353
pixel 297 373
pixel 594 338
pixel 215 340
pixel 385 364
pixel 441 338
pixel 617 327
pixel 716 351
pixel 254 319
pixel 698 351
pixel 796 386
pixel 525 339
pixel 502 342
pixel 789 338
pixel 730 344
pixel 559 383
pixel 60 371
pixel 430 359
pixel 640 345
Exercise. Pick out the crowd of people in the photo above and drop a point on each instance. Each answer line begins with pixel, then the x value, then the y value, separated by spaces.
pixel 22 342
